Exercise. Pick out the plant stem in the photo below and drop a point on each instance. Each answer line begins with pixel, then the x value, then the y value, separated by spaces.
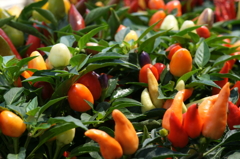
pixel 58 148
pixel 218 145
pixel 27 141
pixel 15 144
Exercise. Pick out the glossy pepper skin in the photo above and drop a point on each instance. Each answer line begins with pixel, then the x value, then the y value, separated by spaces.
pixel 11 124
pixel 216 118
pixel 176 108
pixel 233 116
pixel 192 122
pixel 125 133
pixel 109 147
pixel 224 69
pixel 90 80
pixel 177 135
pixel 10 44
pixel 37 63
pixel 75 19
pixel 144 59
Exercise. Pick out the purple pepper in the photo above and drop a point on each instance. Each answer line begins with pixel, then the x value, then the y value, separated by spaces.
pixel 103 79
pixel 144 59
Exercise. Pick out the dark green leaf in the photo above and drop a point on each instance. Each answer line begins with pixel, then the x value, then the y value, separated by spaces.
pixel 39 78
pixel 13 95
pixel 104 56
pixel 113 22
pixel 48 15
pixel 224 58
pixel 86 148
pixel 79 60
pixel 32 104
pixel 5 21
pixel 202 55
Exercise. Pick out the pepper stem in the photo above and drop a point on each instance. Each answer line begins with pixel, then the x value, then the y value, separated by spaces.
pixel 58 148
pixel 15 144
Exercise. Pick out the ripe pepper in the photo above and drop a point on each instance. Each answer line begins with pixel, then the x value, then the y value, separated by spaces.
pixel 144 59
pixel 143 73
pixel 110 148
pixel 132 4
pixel 75 19
pixel 33 41
pixel 125 133
pixel 177 134
pixel 171 5
pixel 172 49
pixel 203 32
pixel 158 16
pixel 10 48
pixel 225 69
pixel 215 122
pixel 192 122
pixel 11 124
pixel 36 63
pixel 160 67
pixel 90 80
pixel 47 89
pixel 206 17
pixel 176 108
pixel 233 116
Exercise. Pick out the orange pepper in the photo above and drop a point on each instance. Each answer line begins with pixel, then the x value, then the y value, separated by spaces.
pixel 125 133
pixel 215 121
pixel 36 63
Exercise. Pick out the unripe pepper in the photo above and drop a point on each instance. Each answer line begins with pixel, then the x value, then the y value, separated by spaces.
pixel 59 56
pixel 11 124
pixel 233 116
pixel 9 47
pixel 176 108
pixel 224 69
pixel 144 59
pixel 36 63
pixel 109 147
pixel 66 137
pixel 57 7
pixel 206 17
pixel 153 89
pixel 90 80
pixel 216 120
pixel 177 135
pixel 132 35
pixel 180 67
pixel 192 122
pixel 146 101
pixel 187 24
pixel 75 19
pixel 125 133
pixel 169 22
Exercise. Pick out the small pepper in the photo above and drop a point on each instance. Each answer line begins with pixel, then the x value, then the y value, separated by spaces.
pixel 57 7
pixel 125 133
pixel 144 59
pixel 75 19
pixel 109 147
pixel 192 122
pixel 169 22
pixel 233 116
pixel 206 17
pixel 215 122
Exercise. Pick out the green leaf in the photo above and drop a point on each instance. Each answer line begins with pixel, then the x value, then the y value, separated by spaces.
pixel 202 55
pixel 122 92
pixel 20 155
pixel 5 21
pixel 186 76
pixel 203 82
pixel 230 136
pixel 224 58
pixel 79 60
pixel 48 15
pixel 148 44
pixel 113 22
pixel 83 149
pixel 39 78
pixel 145 133
pixel 48 104
pixel 68 40
pixel 185 31
pixel 96 13
pixel 119 36
pixel 104 56
pixel 13 95
pixel 112 83
pixel 85 38
pixel 32 105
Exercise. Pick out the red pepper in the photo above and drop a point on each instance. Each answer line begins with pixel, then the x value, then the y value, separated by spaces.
pixel 225 69
pixel 233 116
pixel 9 42
pixel 33 41
pixel 132 4
pixel 192 122
pixel 75 19
pixel 177 135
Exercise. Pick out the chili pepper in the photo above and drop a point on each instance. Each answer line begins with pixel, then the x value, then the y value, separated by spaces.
pixel 143 73
pixel 132 35
pixel 175 107
pixel 103 79
pixel 203 32
pixel 146 101
pixel 120 28
pixel 160 67
pixel 125 133
pixel 180 67
pixel 75 19
pixel 206 17
pixel 144 58
pixel 224 69
pixel 90 80
pixel 192 122
pixel 171 5
pixel 47 89
pixel 153 89
pixel 169 22
pixel 172 49
pixel 33 41
pixel 11 124
pixel 91 51
pixel 67 153
pixel 66 137
pixel 187 24
pixel 9 47
pixel 233 116
pixel 81 6
pixel 37 63
pixel 237 84
pixel 177 136
pixel 156 4
pixel 59 56
pixel 110 148
pixel 158 16
pixel 216 118
pixel 57 7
